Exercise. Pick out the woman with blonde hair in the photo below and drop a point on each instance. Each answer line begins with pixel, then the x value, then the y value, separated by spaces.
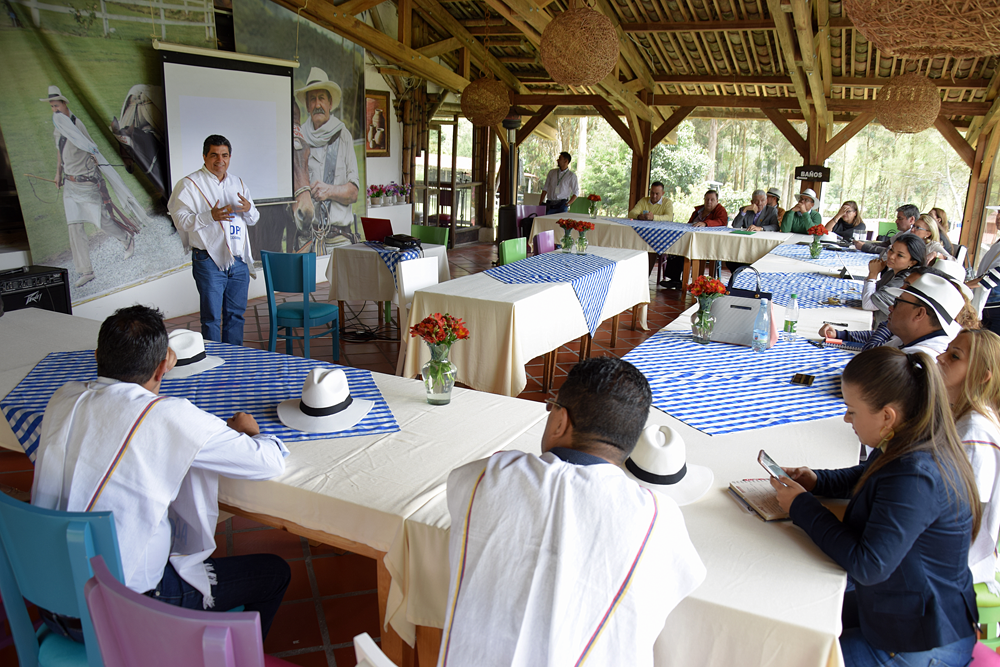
pixel 926 228
pixel 970 368
pixel 941 218
pixel 913 512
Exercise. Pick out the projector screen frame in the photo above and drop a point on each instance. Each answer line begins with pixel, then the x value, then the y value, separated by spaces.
pixel 224 62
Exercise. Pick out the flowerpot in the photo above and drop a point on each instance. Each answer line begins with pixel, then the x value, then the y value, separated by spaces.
pixel 815 249
pixel 567 242
pixel 439 375
pixel 581 244
pixel 376 201
pixel 703 322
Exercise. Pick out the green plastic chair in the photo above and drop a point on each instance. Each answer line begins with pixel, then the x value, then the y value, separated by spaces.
pixel 581 205
pixel 887 228
pixel 512 250
pixel 989 615
pixel 428 234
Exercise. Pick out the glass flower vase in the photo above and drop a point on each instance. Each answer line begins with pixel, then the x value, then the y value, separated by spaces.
pixel 593 209
pixel 567 243
pixel 815 249
pixel 703 322
pixel 439 374
pixel 582 243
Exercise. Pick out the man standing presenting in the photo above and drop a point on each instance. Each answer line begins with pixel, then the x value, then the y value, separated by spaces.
pixel 333 166
pixel 653 207
pixel 215 209
pixel 561 557
pixel 758 216
pixel 561 186
pixel 83 187
pixel 113 444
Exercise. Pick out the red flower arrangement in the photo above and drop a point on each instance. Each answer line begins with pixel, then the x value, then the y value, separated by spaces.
pixel 578 225
pixel 816 230
pixel 593 197
pixel 438 329
pixel 706 286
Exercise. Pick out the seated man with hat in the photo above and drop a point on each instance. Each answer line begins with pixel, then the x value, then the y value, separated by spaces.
pixel 560 557
pixel 114 444
pixel 774 199
pixel 923 317
pixel 801 217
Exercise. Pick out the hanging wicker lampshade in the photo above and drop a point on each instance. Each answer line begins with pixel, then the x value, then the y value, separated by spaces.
pixel 923 28
pixel 579 47
pixel 908 103
pixel 485 101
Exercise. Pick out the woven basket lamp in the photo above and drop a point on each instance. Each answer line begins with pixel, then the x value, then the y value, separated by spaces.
pixel 924 28
pixel 485 101
pixel 579 47
pixel 909 103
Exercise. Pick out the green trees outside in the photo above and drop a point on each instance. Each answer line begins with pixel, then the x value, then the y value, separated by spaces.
pixel 878 169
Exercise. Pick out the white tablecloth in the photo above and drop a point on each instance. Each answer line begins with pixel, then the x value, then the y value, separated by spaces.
pixel 611 233
pixel 357 273
pixel 511 324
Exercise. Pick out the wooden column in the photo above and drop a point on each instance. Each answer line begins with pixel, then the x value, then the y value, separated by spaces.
pixel 972 219
pixel 641 134
pixel 480 142
pixel 491 176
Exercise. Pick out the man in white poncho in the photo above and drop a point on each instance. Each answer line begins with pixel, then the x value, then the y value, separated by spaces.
pixel 80 173
pixel 114 444
pixel 561 558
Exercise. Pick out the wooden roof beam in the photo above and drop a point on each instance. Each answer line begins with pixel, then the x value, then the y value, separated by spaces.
pixel 616 123
pixel 355 7
pixel 710 80
pixel 956 140
pixel 525 130
pixel 800 145
pixel 440 48
pixel 847 133
pixel 875 82
pixel 787 45
pixel 717 26
pixel 669 125
pixel 990 116
pixel 823 40
pixel 627 49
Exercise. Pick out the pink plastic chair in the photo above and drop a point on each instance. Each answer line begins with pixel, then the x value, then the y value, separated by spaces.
pixel 133 629
pixel 545 242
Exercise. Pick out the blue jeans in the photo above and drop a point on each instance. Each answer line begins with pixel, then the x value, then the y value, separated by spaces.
pixel 224 291
pixel 257 582
pixel 556 206
pixel 859 653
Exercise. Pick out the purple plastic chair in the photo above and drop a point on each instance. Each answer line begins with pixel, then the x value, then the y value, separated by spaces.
pixel 133 629
pixel 545 242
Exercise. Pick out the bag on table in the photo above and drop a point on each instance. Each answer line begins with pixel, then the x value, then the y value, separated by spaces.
pixel 736 311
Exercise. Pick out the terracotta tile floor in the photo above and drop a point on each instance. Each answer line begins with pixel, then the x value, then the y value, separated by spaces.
pixel 332 596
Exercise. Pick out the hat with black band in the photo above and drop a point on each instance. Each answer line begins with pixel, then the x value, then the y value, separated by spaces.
pixel 326 404
pixel 189 346
pixel 659 462
pixel 941 295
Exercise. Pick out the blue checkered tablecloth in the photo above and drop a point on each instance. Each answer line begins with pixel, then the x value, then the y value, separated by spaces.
pixel 251 381
pixel 718 388
pixel 590 276
pixel 660 235
pixel 813 290
pixel 393 256
pixel 829 258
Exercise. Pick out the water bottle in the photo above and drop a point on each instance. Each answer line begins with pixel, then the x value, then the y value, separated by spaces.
pixel 761 328
pixel 791 318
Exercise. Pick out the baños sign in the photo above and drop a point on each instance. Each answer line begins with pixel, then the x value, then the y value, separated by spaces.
pixel 812 173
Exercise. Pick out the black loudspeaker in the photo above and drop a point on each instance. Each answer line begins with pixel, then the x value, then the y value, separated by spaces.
pixel 45 287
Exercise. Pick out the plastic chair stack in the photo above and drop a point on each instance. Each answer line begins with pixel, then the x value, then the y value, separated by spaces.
pixel 133 629
pixel 296 273
pixel 45 558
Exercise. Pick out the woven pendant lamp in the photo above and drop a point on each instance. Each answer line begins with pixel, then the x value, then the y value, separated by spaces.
pixel 485 101
pixel 579 47
pixel 909 103
pixel 924 28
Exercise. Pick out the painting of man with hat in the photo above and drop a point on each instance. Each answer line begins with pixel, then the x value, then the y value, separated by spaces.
pixel 333 164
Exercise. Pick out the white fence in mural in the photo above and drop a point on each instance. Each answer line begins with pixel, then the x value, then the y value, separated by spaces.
pixel 151 9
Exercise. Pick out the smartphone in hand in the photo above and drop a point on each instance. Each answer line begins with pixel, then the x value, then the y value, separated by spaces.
pixel 771 467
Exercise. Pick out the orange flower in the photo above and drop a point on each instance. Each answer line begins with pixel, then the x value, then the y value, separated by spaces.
pixel 704 285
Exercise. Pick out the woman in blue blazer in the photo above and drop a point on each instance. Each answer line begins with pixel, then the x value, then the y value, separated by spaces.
pixel 914 509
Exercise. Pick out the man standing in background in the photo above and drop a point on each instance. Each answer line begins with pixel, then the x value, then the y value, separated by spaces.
pixel 561 186
pixel 333 166
pixel 214 208
pixel 85 196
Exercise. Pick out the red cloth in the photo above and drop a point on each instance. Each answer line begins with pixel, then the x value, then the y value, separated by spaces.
pixel 717 218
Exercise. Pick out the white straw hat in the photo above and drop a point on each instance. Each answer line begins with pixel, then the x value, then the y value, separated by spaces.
pixel 941 295
pixel 659 462
pixel 956 272
pixel 326 405
pixel 318 80
pixel 774 192
pixel 189 346
pixel 808 193
pixel 54 94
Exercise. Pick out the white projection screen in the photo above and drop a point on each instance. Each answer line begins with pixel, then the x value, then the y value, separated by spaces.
pixel 248 103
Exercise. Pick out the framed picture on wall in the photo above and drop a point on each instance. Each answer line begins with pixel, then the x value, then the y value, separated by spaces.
pixel 377 123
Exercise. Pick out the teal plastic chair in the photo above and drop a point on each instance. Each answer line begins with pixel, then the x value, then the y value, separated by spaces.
pixel 45 559
pixel 581 205
pixel 428 234
pixel 512 250
pixel 296 273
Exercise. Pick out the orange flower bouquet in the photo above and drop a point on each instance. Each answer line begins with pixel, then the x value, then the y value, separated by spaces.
pixel 439 332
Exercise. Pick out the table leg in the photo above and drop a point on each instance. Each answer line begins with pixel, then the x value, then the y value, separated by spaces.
pixel 684 274
pixel 341 314
pixel 585 341
pixel 428 645
pixel 392 644
pixel 548 367
pixel 614 328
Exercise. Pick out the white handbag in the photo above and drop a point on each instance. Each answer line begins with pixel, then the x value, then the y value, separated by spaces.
pixel 736 312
